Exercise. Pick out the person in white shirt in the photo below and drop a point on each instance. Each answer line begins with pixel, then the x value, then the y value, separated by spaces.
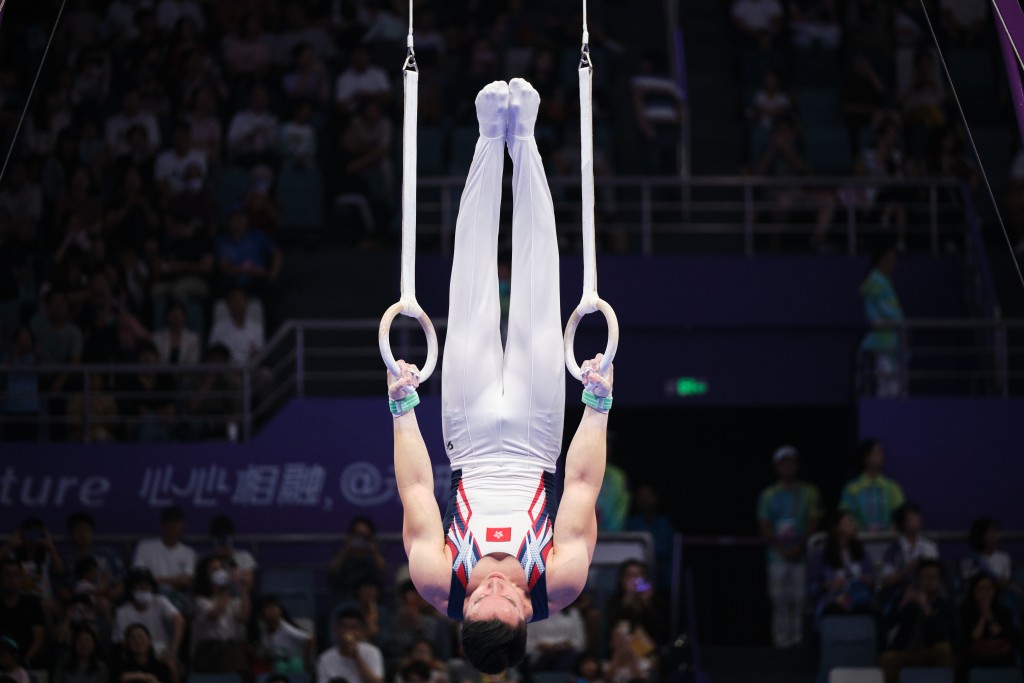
pixel 239 332
pixel 298 139
pixel 280 641
pixel 758 20
pixel 171 164
pixel 175 343
pixel 360 82
pixel 985 556
pixel 145 606
pixel 240 562
pixel 219 624
pixel 352 658
pixel 555 643
pixel 170 561
pixel 902 557
pixel 131 115
pixel 254 132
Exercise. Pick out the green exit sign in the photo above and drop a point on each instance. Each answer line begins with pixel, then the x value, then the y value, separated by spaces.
pixel 691 386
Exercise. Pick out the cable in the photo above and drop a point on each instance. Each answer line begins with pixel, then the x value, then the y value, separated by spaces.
pixel 28 100
pixel 974 146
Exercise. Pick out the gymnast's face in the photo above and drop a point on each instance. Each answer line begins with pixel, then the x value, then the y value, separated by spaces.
pixel 497 598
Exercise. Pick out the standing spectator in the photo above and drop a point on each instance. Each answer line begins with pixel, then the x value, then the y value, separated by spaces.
pixel 170 561
pixel 658 107
pixel 11 668
pixel 84 664
pixel 171 164
pixel 140 661
pixel 885 161
pixel 175 344
pixel 219 620
pixel 771 102
pixel 130 117
pixel 905 554
pixel 240 333
pixel 648 516
pixel 990 635
pixel 240 563
pixel 921 630
pixel 278 641
pixel 352 658
pixel 361 82
pixel 757 21
pixel 635 603
pixel 21 616
pixel 844 576
pixel 81 527
pixel 788 513
pixel 882 349
pixel 253 133
pixel 872 498
pixel 555 643
pixel 358 560
pixel 246 255
pixel 164 624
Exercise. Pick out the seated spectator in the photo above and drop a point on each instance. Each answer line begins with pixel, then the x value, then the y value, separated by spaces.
pixel 771 102
pixel 278 642
pixel 139 661
pixel 185 260
pixel 248 53
pixel 307 81
pixel 21 388
pixel 555 643
pixel 207 135
pixel 965 21
pixel 253 133
pixel 587 669
pixel 21 616
pixel 299 29
pixel 171 164
pixel 132 218
pixel 11 668
pixel 923 102
pixel 659 110
pixel 150 398
pixel 298 138
pixel 376 617
pixel 872 498
pixel 986 558
pixel 85 662
pixel 88 606
pixel 989 632
pixel 920 633
pixel 109 583
pixel 902 557
pixel 163 624
pixel 422 665
pixel 844 578
pixel 649 517
pixel 361 82
pixel 366 153
pixel 219 619
pixel 101 410
pixel 418 672
pixel 359 559
pixel 632 657
pixel 411 622
pixel 31 545
pixel 240 333
pixel 175 344
pixel 167 557
pixel 246 255
pixel 261 208
pixel 129 117
pixel 214 398
pixel 635 603
pixel 239 562
pixel 757 21
pixel 352 658
pixel 815 22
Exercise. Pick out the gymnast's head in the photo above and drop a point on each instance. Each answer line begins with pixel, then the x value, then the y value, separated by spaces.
pixel 494 624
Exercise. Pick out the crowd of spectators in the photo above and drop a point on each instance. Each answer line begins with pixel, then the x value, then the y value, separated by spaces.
pixel 931 611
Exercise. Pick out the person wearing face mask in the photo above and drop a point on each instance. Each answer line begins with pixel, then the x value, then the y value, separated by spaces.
pixel 164 624
pixel 220 619
pixel 240 562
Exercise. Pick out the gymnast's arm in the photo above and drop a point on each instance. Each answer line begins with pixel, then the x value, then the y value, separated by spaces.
pixel 422 532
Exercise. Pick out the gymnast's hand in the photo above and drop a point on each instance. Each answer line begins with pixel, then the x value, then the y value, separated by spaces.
pixel 408 383
pixel 593 382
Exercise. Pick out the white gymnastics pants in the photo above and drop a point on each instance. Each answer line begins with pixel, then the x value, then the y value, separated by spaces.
pixel 504 408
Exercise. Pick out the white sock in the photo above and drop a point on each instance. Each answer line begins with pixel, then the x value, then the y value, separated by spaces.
pixel 524 102
pixel 492 109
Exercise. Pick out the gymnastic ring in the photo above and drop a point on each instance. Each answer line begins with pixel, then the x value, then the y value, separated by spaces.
pixel 384 337
pixel 609 350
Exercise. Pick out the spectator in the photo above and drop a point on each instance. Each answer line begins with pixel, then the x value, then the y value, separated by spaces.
pixel 844 578
pixel 299 29
pixel 647 516
pixel 366 151
pixel 885 160
pixel 788 513
pixel 361 82
pixel 658 107
pixel 60 340
pixel 150 399
pixel 249 52
pixel 32 546
pixel 555 643
pixel 240 333
pixel 307 81
pixel 101 411
pixel 10 661
pixel 352 659
pixel 418 672
pixel 924 100
pixel 862 95
pixel 635 603
pixel 631 657
pixel 246 255
pixel 359 559
pixel 21 389
pixel 88 607
pixel 989 633
pixel 219 620
pixel 207 135
pixel 21 616
pixel 815 22
pixel 214 397
pixel 871 498
pixel 81 529
pixel 175 344
pixel 84 664
pixel 163 624
pixel 253 133
pixel 131 116
pixel 921 631
pixel 22 197
pixel 906 553
pixel 412 622
pixel 240 563
pixel 422 663
pixel 283 645
pixel 587 669
pixel 965 21
pixel 298 138
pixel 882 373
pixel 263 212
pixel 366 599
pixel 757 21
pixel 171 164
pixel 986 558
pixel 771 102
pixel 170 12
pixel 139 662
pixel 185 260
pixel 170 561
pixel 133 219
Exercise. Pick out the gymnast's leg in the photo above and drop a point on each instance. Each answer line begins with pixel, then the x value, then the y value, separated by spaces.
pixel 471 373
pixel 534 400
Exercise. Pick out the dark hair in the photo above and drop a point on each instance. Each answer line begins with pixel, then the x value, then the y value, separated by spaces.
pixel 83 566
pixel 617 596
pixel 94 658
pixel 406 586
pixel 174 304
pixel 422 639
pixel 362 519
pixel 80 517
pixel 492 646
pixel 900 514
pixel 172 513
pixel 833 554
pixel 418 669
pixel 221 525
pixel 201 583
pixel 865 447
pixel 979 529
pixel 140 575
pixel 969 610
pixel 577 667
pixel 138 626
pixel 273 678
pixel 350 613
pixel 931 564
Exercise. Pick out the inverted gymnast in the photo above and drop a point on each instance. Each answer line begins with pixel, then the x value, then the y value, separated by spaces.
pixel 498 559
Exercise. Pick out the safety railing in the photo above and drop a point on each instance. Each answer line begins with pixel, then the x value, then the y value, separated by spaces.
pixel 733 213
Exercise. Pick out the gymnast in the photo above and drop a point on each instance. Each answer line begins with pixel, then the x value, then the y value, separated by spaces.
pixel 499 559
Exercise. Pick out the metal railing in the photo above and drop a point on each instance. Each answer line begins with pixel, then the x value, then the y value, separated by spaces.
pixel 740 213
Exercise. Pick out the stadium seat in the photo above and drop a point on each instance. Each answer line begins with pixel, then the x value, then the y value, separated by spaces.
pixel 300 194
pixel 848 641
pixel 827 149
pixel 214 678
pixel 995 676
pixel 819 106
pixel 295 588
pixel 926 675
pixel 863 675
pixel 551 677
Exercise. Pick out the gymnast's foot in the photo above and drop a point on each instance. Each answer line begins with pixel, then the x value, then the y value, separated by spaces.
pixel 523 104
pixel 492 109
